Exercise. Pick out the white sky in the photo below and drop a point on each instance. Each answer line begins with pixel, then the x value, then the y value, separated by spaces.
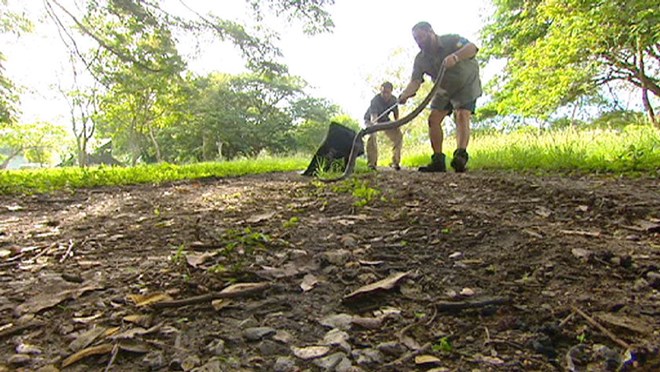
pixel 336 65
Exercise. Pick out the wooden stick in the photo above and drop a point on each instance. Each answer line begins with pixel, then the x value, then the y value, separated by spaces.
pixel 16 329
pixel 207 298
pixel 601 328
pixel 409 355
pixel 470 304
pixel 68 251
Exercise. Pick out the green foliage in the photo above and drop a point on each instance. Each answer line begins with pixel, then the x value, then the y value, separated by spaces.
pixel 631 149
pixel 36 141
pixel 44 180
pixel 359 188
pixel 10 22
pixel 560 50
pixel 443 344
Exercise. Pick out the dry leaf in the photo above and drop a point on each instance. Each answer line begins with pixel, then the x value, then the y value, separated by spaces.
pixel 385 284
pixel 220 304
pixel 134 346
pixel 95 350
pixel 145 300
pixel 196 259
pixel 426 359
pixel 86 338
pixel 141 320
pixel 261 217
pixel 47 300
pixel 240 289
pixel 308 283
pixel 627 322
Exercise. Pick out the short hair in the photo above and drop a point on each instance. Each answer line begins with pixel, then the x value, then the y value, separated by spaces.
pixel 387 84
pixel 425 26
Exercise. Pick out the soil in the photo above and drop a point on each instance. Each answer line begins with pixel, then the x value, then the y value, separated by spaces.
pixel 397 271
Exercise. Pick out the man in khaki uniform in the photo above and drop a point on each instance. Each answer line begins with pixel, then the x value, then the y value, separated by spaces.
pixel 458 91
pixel 380 108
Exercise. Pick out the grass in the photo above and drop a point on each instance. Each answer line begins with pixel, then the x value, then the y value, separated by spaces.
pixel 50 179
pixel 633 150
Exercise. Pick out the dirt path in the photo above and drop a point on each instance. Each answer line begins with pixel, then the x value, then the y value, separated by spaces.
pixel 550 271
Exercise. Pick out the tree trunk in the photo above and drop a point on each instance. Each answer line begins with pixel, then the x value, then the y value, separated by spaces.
pixel 645 85
pixel 159 157
pixel 5 163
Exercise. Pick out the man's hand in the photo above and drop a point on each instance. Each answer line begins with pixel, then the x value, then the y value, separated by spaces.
pixel 451 61
pixel 403 97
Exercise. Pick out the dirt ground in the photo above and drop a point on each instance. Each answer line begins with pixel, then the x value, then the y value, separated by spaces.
pixel 391 271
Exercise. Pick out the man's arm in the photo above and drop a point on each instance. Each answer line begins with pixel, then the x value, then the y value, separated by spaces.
pixel 466 52
pixel 410 90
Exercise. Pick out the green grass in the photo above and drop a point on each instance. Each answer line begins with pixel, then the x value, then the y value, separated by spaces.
pixel 45 180
pixel 633 149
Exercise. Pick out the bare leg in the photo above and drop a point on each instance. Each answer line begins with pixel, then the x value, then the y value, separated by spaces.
pixel 463 128
pixel 435 129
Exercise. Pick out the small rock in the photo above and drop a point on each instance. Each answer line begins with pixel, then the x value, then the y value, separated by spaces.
pixel 653 278
pixel 269 348
pixel 284 364
pixel 640 285
pixel 341 321
pixel 216 347
pixel 346 366
pixel 467 292
pixel 337 337
pixel 310 352
pixel 391 348
pixel 154 360
pixel 19 359
pixel 331 361
pixel 338 257
pixel 257 333
pixel 368 356
pixel 283 337
pixel 213 365
pixel 190 362
pixel 27 349
pixel 455 255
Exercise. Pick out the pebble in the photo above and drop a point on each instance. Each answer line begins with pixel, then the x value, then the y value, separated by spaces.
pixel 284 364
pixel 331 361
pixel 257 333
pixel 19 359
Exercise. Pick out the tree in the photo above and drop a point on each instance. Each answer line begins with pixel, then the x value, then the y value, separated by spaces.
pixel 559 50
pixel 10 22
pixel 35 140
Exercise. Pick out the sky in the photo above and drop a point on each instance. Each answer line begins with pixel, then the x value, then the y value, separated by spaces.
pixel 345 66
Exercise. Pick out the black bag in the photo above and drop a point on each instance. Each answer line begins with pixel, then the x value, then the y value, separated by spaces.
pixel 336 145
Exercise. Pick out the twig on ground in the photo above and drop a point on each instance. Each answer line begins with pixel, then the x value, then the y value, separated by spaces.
pixel 609 334
pixel 470 304
pixel 115 351
pixel 409 355
pixel 567 319
pixel 19 328
pixel 68 251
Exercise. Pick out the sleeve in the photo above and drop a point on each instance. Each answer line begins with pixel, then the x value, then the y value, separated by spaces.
pixel 418 69
pixel 454 42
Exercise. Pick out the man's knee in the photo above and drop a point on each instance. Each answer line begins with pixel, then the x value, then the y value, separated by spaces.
pixel 436 117
pixel 463 116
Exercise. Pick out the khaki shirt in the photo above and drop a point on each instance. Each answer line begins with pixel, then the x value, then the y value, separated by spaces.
pixel 461 83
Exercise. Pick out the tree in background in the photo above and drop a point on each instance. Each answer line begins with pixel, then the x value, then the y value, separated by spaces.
pixel 558 51
pixel 16 24
pixel 36 141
